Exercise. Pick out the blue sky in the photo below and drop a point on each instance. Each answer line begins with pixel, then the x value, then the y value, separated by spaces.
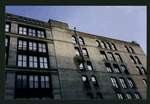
pixel 125 23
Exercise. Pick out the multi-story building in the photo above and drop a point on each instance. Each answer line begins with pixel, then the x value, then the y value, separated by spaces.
pixel 47 60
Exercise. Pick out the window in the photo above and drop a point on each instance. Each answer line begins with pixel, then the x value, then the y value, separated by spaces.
pixel 90 96
pixel 130 81
pixel 81 66
pixel 118 57
pixel 77 51
pixel 137 95
pixel 129 96
pixel 124 69
pixel 6 42
pixel 85 80
pixel 111 56
pixel 126 48
pixel 103 55
pixel 131 49
pixel 89 65
pixel 144 71
pixel 33 86
pixel 97 42
pixel 95 83
pixel 99 95
pixel 7 27
pixel 33 61
pixel 134 62
pixel 22 60
pixel 114 82
pixel 145 82
pixel 123 83
pixel 108 45
pixel 7 38
pixel 74 39
pixel 81 40
pixel 137 59
pixel 42 47
pixel 23 30
pixel 120 96
pixel 113 46
pixel 40 34
pixel 103 44
pixel 116 68
pixel 138 69
pixel 85 53
pixel 108 67
pixel 32 32
pixel 43 62
pixel 32 46
pixel 22 45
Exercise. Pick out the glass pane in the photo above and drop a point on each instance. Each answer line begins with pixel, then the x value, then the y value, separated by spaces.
pixel 24 64
pixel 18 77
pixel 19 57
pixel 46 78
pixel 84 78
pixel 20 32
pixel 24 84
pixel 24 78
pixel 33 31
pixel 35 64
pixel 30 30
pixel 40 45
pixel 40 49
pixel 93 79
pixel 30 34
pixel 24 43
pixel 36 85
pixel 18 84
pixel 30 84
pixel 30 43
pixel 42 84
pixel 35 78
pixel 24 29
pixel 20 28
pixel 24 57
pixel 42 78
pixel 24 33
pixel 45 59
pixel 45 65
pixel 34 44
pixel 38 32
pixel 30 58
pixel 42 32
pixel 30 48
pixel 47 84
pixel 31 78
pixel 89 67
pixel 41 59
pixel 41 65
pixel 44 50
pixel 35 58
pixel 19 63
pixel 30 64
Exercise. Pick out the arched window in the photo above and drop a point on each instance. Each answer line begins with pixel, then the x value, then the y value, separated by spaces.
pixel 145 82
pixel 138 69
pixel 89 65
pixel 131 83
pixel 103 55
pixel 85 80
pixel 114 82
pixel 111 56
pixel 116 68
pixel 108 45
pixel 108 67
pixel 123 83
pixel 81 40
pixel 132 59
pixel 85 53
pixel 126 48
pixel 137 59
pixel 113 46
pixel 118 57
pixel 124 69
pixel 74 39
pixel 137 95
pixel 131 49
pixel 97 42
pixel 77 51
pixel 103 44
pixel 94 80
pixel 144 71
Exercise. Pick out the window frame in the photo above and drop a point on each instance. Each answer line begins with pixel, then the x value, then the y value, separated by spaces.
pixel 126 48
pixel 124 70
pixel 137 95
pixel 129 95
pixel 139 71
pixel 132 59
pixel 89 64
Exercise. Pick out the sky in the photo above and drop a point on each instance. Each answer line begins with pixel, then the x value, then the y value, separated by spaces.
pixel 127 23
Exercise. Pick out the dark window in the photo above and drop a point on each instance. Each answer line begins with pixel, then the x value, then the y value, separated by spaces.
pixel 137 59
pixel 120 96
pixel 89 65
pixel 137 95
pixel 74 39
pixel 123 83
pixel 116 68
pixel 77 51
pixel 129 96
pixel 99 95
pixel 118 57
pixel 113 46
pixel 144 71
pixel 138 69
pixel 131 49
pixel 114 82
pixel 94 80
pixel 7 38
pixel 108 45
pixel 124 69
pixel 81 40
pixel 111 56
pixel 126 48
pixel 90 96
pixel 108 67
pixel 33 86
pixel 131 83
pixel 86 81
pixel 132 59
pixel 103 44
pixel 85 53
pixel 103 55
pixel 97 42
pixel 145 82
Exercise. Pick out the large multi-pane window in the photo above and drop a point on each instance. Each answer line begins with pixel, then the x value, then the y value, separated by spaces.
pixel 81 66
pixel 124 69
pixel 137 59
pixel 137 95
pixel 32 54
pixel 111 56
pixel 114 82
pixel 130 81
pixel 129 96
pixel 81 40
pixel 74 39
pixel 103 55
pixel 85 53
pixel 26 30
pixel 123 83
pixel 116 68
pixel 118 57
pixel 120 96
pixel 33 86
pixel 108 67
pixel 77 51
